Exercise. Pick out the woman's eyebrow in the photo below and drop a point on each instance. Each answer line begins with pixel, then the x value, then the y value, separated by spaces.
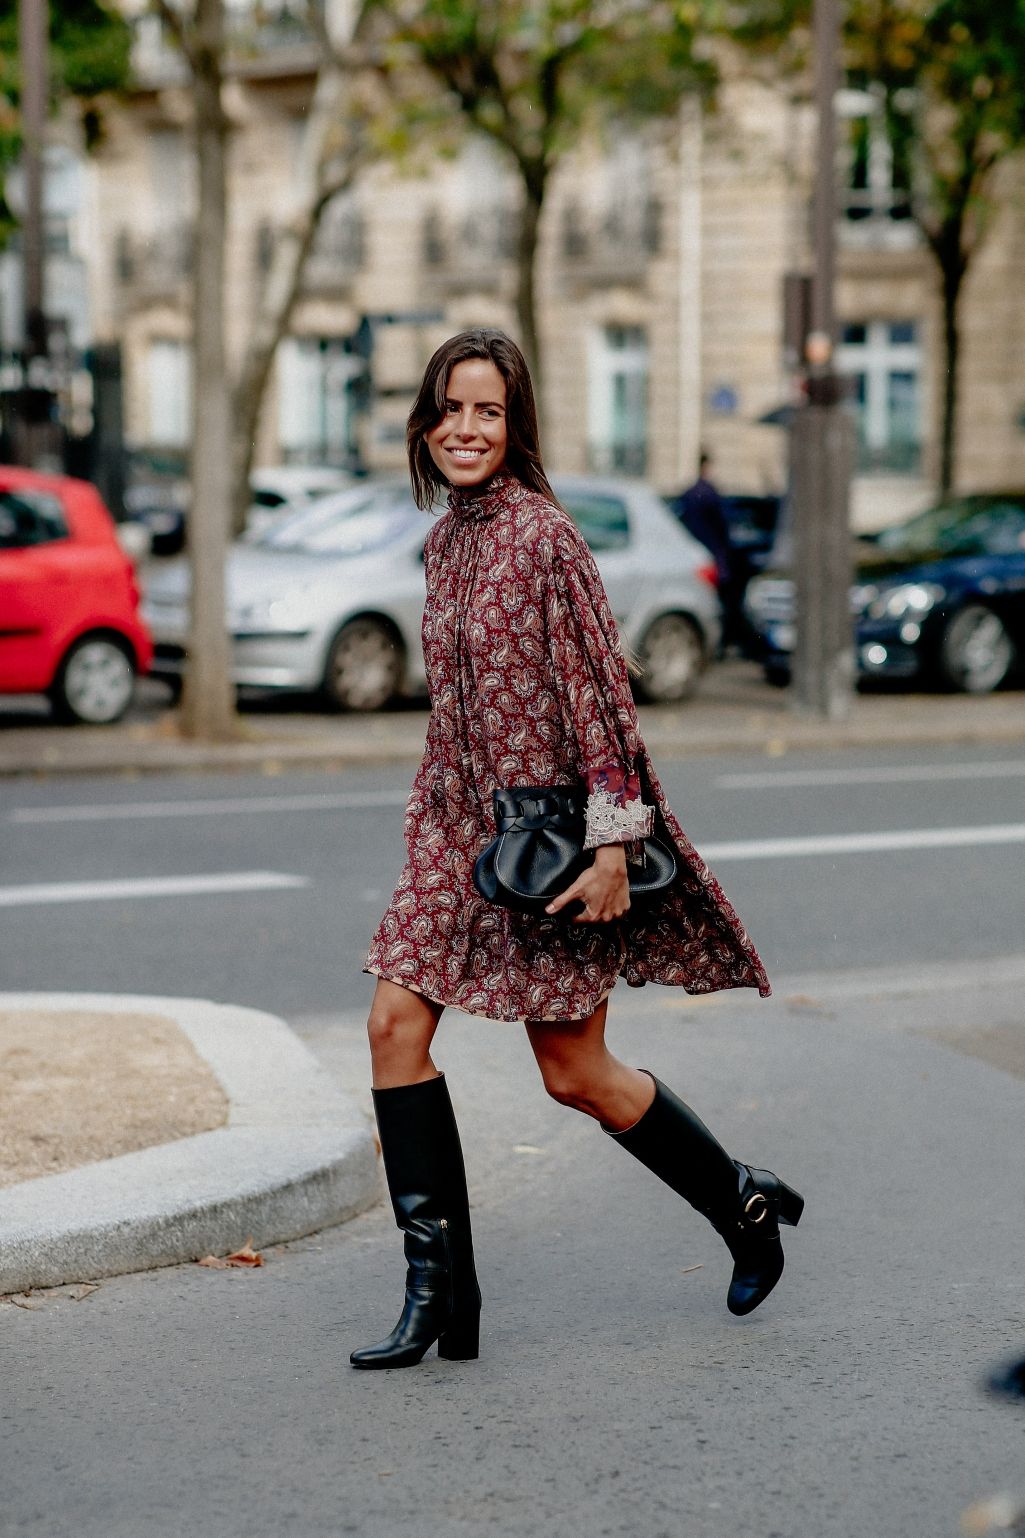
pixel 450 400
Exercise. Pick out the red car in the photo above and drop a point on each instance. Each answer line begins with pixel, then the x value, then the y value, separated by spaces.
pixel 69 603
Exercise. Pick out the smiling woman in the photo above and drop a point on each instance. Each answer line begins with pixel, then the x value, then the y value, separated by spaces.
pixel 531 708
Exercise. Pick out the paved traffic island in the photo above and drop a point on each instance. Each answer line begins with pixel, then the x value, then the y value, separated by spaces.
pixel 140 1132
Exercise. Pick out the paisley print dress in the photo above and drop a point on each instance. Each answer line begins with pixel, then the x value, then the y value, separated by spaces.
pixel 529 686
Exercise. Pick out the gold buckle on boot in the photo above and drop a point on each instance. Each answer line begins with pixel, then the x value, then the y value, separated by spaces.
pixel 756 1208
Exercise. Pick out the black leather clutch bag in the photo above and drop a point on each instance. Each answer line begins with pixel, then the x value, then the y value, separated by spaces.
pixel 539 851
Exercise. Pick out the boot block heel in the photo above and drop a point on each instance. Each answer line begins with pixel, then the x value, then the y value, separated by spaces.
pixel 791 1205
pixel 461 1341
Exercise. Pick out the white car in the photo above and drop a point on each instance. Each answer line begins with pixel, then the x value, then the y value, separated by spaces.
pixel 278 490
pixel 330 600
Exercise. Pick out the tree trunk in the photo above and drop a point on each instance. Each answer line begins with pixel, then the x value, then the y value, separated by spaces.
pixel 953 278
pixel 208 707
pixel 534 183
pixel 315 189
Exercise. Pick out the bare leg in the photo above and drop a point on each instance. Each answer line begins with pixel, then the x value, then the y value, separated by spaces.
pixel 401 1028
pixel 579 1070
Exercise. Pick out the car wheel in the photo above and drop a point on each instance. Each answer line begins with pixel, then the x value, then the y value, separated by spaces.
pixel 673 657
pixel 976 652
pixel 95 682
pixel 364 666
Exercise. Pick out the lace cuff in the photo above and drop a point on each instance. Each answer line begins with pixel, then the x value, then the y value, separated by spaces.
pixel 615 812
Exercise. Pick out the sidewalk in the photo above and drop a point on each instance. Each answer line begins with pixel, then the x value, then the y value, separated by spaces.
pixel 238 1132
pixel 735 711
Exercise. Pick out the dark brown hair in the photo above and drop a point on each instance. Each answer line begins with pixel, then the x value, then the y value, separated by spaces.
pixel 523 454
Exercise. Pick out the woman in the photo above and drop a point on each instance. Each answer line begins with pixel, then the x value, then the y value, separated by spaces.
pixel 529 687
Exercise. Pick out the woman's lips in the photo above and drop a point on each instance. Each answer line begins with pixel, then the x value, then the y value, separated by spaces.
pixel 466 456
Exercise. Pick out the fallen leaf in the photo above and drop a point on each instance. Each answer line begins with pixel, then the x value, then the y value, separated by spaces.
pixel 246 1256
pixel 25 1300
pixel 76 1294
pixel 998 1514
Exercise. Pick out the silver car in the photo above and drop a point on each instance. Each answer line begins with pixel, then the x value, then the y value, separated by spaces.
pixel 330 600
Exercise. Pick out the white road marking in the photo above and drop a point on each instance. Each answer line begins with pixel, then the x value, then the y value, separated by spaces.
pixel 888 774
pixel 156 886
pixel 226 806
pixel 369 800
pixel 863 843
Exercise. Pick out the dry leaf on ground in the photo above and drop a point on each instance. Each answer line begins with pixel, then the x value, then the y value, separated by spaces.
pixel 246 1256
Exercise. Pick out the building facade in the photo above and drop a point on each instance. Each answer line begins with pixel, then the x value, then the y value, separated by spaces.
pixel 660 281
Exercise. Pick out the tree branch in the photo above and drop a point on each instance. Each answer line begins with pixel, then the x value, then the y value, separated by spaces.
pixel 175 24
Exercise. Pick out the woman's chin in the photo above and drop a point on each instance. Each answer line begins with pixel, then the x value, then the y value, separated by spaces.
pixel 465 477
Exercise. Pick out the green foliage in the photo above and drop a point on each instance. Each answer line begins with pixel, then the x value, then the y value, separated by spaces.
pixel 954 87
pixel 534 77
pixel 89 48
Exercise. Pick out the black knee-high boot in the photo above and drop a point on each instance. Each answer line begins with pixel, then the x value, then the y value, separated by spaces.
pixel 744 1205
pixel 423 1163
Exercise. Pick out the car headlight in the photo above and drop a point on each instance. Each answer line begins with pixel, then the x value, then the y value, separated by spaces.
pixel 863 596
pixel 287 613
pixel 908 600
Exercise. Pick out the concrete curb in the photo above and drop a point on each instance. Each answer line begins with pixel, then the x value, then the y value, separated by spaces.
pixel 295 1156
pixel 759 725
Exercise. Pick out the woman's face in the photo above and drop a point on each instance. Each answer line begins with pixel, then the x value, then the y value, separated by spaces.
pixel 469 443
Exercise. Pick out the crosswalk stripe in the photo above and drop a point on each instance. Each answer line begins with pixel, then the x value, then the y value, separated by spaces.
pixel 155 886
pixel 883 774
pixel 214 807
pixel 863 843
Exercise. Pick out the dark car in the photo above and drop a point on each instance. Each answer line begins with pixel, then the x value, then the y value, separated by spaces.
pixel 750 524
pixel 938 598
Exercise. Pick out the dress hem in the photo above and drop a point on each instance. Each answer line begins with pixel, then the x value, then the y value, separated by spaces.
pixel 764 991
pixel 481 1014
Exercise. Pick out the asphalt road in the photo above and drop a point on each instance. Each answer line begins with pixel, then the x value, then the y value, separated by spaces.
pixel 298 949
pixel 615 1395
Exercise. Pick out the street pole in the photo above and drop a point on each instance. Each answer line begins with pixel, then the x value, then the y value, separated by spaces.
pixel 822 438
pixel 36 436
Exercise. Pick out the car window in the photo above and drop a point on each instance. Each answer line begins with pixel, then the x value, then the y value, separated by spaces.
pixel 307 528
pixel 361 533
pixel 30 518
pixel 1000 529
pixel 602 520
pixel 750 520
pixel 974 526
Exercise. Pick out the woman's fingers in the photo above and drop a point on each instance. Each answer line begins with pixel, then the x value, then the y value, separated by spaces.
pixel 602 904
pixel 571 894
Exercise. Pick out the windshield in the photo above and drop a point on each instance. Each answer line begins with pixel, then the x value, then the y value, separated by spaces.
pixel 970 527
pixel 356 524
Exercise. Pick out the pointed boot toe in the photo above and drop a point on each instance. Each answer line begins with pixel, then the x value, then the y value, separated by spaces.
pixel 753 1236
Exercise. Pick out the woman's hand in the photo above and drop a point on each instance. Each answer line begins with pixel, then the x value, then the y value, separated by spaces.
pixel 602 888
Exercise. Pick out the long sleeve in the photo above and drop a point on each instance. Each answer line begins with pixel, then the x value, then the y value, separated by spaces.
pixel 595 696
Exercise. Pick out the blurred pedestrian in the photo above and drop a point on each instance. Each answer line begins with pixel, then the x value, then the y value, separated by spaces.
pixel 700 510
pixel 530 698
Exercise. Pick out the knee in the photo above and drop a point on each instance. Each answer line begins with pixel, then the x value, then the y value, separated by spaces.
pixel 566 1087
pixel 392 1030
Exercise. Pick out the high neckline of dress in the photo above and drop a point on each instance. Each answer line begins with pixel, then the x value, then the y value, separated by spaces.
pixel 483 501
